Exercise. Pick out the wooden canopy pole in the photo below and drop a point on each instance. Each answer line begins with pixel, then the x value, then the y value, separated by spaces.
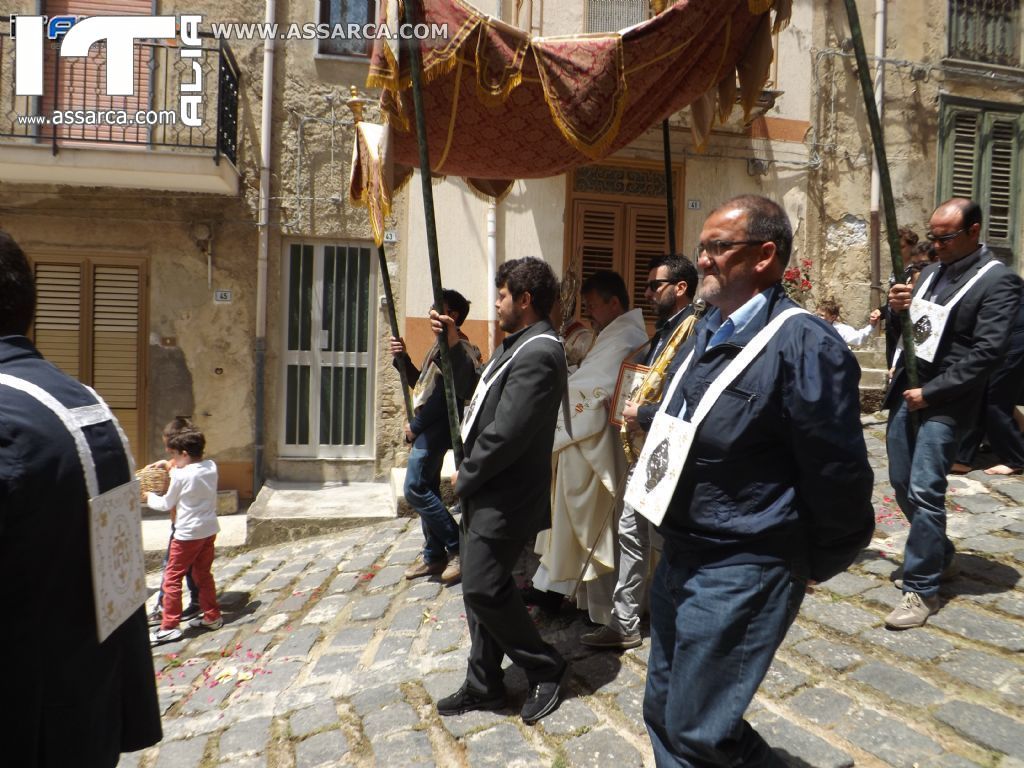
pixel 669 192
pixel 411 16
pixel 877 138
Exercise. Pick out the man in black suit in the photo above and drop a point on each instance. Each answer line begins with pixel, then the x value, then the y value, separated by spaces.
pixel 981 298
pixel 504 484
pixel 73 700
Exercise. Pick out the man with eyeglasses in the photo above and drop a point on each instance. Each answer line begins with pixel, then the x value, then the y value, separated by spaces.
pixel 671 286
pixel 772 488
pixel 963 307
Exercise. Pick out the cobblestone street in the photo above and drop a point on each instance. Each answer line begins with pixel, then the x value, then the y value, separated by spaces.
pixel 329 657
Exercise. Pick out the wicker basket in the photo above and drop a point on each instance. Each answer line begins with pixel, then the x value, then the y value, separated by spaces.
pixel 153 479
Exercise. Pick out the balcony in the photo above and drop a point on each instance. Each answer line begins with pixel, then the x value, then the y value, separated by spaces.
pixel 141 141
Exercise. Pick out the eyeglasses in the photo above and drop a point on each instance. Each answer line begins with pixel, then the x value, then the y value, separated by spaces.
pixel 653 285
pixel 715 248
pixel 933 238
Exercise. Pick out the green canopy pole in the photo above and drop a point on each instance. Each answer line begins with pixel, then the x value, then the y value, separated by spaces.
pixel 875 124
pixel 669 195
pixel 412 15
pixel 389 297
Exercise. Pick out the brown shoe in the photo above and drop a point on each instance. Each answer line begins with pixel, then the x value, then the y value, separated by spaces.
pixel 421 567
pixel 453 573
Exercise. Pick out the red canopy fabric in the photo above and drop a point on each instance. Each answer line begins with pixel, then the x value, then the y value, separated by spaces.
pixel 501 105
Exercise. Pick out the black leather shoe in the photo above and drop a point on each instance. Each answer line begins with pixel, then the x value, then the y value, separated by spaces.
pixel 468 700
pixel 544 698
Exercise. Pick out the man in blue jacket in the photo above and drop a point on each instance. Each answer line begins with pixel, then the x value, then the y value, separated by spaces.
pixel 774 491
pixel 73 699
pixel 431 438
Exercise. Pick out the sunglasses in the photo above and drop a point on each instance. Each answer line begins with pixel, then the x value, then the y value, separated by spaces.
pixel 653 285
pixel 933 238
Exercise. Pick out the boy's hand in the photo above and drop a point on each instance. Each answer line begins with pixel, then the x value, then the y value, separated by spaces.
pixel 439 323
pixel 397 346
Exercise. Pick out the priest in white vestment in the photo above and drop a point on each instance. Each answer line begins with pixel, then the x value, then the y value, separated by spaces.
pixel 589 465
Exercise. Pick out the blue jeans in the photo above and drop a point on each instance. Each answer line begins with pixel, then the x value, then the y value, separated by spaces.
pixel 714 632
pixel 918 465
pixel 423 492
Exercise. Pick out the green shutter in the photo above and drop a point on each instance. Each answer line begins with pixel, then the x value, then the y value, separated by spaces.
pixel 980 160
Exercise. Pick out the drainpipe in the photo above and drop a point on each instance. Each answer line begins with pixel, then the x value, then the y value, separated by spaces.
pixel 492 273
pixel 876 189
pixel 260 345
pixel 492 255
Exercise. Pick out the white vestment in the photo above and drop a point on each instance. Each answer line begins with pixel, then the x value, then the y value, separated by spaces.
pixel 587 469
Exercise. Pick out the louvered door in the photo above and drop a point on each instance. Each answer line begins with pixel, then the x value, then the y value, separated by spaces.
pixel 622 237
pixel 646 239
pixel 982 161
pixel 90 323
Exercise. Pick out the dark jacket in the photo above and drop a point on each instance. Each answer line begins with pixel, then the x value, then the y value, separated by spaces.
pixel 505 480
pixel 74 701
pixel 972 346
pixel 645 413
pixel 430 422
pixel 778 471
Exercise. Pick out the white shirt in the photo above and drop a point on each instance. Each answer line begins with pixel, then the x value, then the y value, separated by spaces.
pixel 851 335
pixel 193 490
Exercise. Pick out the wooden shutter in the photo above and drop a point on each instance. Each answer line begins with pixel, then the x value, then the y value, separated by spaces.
pixel 115 342
pixel 1002 161
pixel 57 329
pixel 598 236
pixel 964 153
pixel 90 323
pixel 646 239
pixel 82 82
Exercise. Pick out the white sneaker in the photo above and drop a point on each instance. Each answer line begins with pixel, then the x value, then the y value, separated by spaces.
pixel 200 623
pixel 161 636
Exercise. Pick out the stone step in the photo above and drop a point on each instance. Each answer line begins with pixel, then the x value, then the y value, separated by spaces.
pixel 286 511
pixel 397 479
pixel 872 378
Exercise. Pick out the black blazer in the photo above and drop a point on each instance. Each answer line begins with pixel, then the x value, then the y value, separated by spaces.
pixel 505 480
pixel 77 702
pixel 973 344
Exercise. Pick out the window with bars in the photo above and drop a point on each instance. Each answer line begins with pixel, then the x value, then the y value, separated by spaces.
pixel 329 324
pixel 340 14
pixel 980 148
pixel 985 30
pixel 613 15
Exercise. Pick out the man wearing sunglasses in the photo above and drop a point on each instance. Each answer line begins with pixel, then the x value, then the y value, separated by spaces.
pixel 979 298
pixel 774 489
pixel 671 285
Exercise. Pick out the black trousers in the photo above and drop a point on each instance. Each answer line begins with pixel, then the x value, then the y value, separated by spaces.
pixel 499 623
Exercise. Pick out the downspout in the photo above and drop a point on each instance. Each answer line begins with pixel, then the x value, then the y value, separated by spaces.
pixel 492 273
pixel 492 254
pixel 260 345
pixel 876 189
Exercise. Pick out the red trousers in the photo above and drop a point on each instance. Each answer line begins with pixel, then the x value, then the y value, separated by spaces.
pixel 196 554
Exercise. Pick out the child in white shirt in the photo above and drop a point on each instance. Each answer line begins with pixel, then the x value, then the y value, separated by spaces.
pixel 193 491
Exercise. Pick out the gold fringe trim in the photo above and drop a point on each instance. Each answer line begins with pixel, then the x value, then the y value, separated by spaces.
pixel 597 148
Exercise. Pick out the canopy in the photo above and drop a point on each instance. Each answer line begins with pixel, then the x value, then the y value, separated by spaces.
pixel 501 105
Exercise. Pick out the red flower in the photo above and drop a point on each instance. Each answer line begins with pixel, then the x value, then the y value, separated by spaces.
pixel 792 274
pixel 805 284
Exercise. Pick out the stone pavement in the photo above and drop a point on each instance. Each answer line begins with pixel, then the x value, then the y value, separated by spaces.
pixel 329 657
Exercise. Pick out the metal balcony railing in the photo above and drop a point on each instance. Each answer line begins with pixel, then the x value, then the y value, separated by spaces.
pixel 986 31
pixel 75 110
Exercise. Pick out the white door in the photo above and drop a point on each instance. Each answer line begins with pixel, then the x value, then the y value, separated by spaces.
pixel 329 330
